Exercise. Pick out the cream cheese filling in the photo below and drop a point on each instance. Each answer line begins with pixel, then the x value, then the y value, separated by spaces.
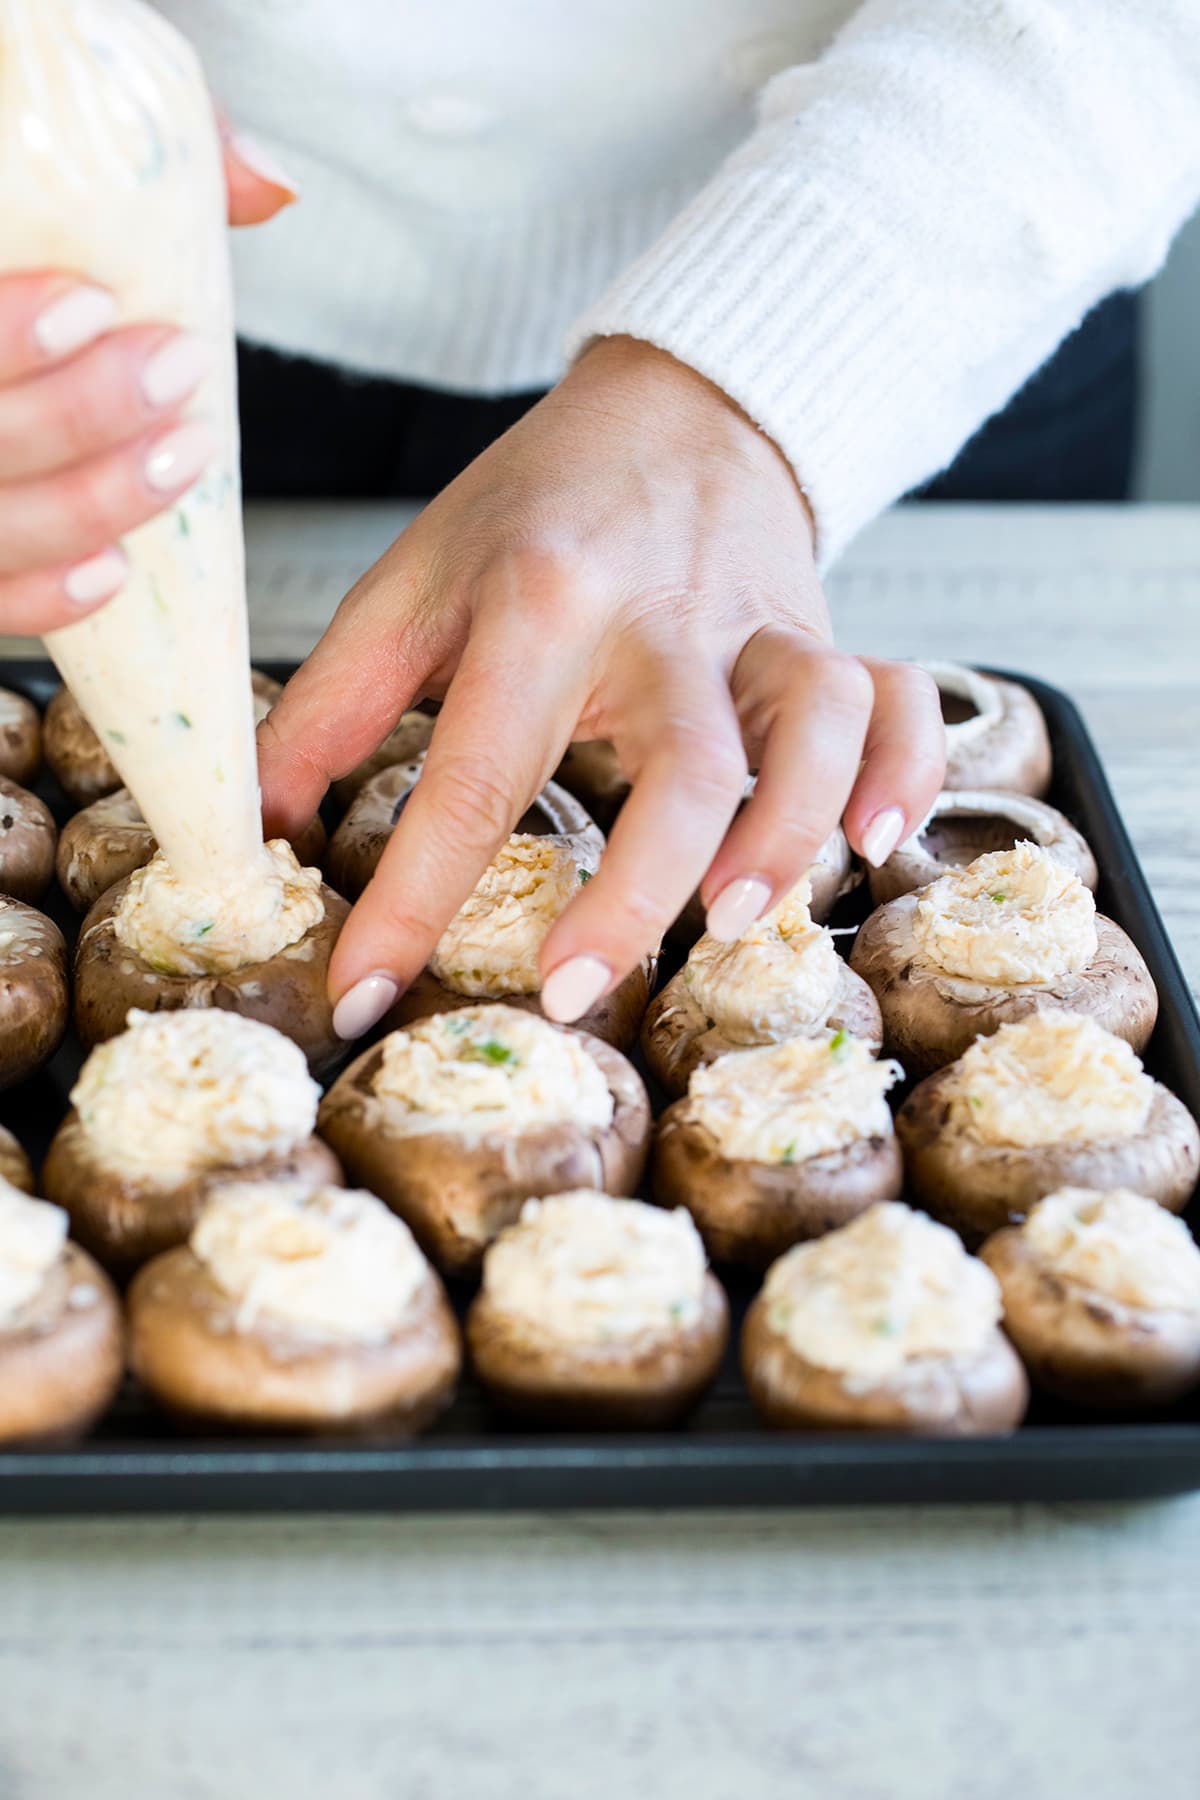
pixel 587 1269
pixel 330 1262
pixel 785 1103
pixel 492 945
pixel 874 1295
pixel 1055 1077
pixel 489 1068
pixel 1120 1245
pixel 1009 918
pixel 778 980
pixel 32 1236
pixel 181 1093
pixel 191 928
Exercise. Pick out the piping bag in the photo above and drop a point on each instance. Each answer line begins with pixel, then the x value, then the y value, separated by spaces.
pixel 110 167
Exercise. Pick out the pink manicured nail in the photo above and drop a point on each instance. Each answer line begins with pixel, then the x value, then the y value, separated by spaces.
pixel 74 319
pixel 573 987
pixel 882 835
pixel 97 579
pixel 262 162
pixel 364 1005
pixel 736 907
pixel 175 369
pixel 178 458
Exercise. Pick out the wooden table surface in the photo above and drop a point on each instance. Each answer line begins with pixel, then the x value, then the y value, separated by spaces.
pixel 1002 1653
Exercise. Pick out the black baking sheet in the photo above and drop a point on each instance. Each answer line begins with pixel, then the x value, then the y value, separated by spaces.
pixel 471 1462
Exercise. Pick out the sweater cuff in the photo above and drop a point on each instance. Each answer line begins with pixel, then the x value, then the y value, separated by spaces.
pixel 772 288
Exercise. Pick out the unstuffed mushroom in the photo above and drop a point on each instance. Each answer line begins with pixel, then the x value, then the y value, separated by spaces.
pixel 1051 1101
pixel 20 737
pixel 1102 1298
pixel 154 944
pixel 458 1120
pixel 967 824
pixel 406 743
pixel 1013 933
pixel 996 736
pixel 597 1312
pixel 775 1145
pixel 27 840
pixel 782 978
pixel 295 1308
pixel 884 1325
pixel 62 1350
pixel 176 1104
pixel 33 990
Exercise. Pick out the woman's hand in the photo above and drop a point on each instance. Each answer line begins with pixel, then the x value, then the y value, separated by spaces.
pixel 92 436
pixel 632 561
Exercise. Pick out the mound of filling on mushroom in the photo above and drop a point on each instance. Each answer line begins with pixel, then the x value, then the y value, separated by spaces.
pixel 1102 1297
pixel 597 1311
pixel 61 1336
pixel 260 946
pixel 178 1101
pixel 1051 1101
pixel 1013 933
pixel 491 948
pixel 295 1307
pixel 783 978
pixel 886 1324
pixel 461 1117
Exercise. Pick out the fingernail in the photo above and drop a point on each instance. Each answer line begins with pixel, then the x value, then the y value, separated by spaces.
pixel 364 1005
pixel 178 458
pixel 74 319
pixel 882 835
pixel 573 987
pixel 263 163
pixel 174 370
pixel 97 579
pixel 736 907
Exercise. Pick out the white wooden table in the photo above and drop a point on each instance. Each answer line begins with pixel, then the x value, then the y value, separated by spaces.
pixel 1007 1653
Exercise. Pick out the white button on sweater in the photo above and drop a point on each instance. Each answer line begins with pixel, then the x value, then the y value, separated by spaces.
pixel 870 254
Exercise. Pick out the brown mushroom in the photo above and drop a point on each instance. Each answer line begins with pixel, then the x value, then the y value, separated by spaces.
pixel 457 1184
pixel 407 742
pixel 583 1339
pixel 27 838
pixel 33 990
pixel 965 824
pixel 74 754
pixel 226 1335
pixel 592 772
pixel 15 1167
pixel 20 737
pixel 996 736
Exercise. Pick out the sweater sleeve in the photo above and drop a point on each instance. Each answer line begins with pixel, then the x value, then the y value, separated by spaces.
pixel 919 218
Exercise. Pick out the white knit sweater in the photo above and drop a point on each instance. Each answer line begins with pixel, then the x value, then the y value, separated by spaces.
pixel 868 224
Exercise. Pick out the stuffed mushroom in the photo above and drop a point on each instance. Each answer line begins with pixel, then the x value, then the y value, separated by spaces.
pixel 1051 1101
pixel 178 1102
pixel 62 1350
pixel 295 1308
pixel 1102 1298
pixel 996 736
pixel 153 943
pixel 964 825
pixel 783 978
pixel 597 1312
pixel 33 990
pixel 884 1325
pixel 835 873
pixel 779 1144
pixel 20 737
pixel 1011 934
pixel 459 1119
pixel 27 840
pixel 490 950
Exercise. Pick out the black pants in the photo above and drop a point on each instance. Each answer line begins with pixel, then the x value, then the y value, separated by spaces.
pixel 312 431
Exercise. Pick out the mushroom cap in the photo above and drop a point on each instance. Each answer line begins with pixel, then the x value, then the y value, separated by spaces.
pixel 930 1017
pixel 751 1212
pixel 15 1167
pixel 1085 1347
pixel 678 1037
pixel 125 1219
pixel 190 1351
pixel 932 1396
pixel 978 1188
pixel 74 754
pixel 456 1195
pixel 33 991
pixel 645 1382
pixel 405 743
pixel 27 838
pixel 968 823
pixel 592 772
pixel 20 737
pixel 62 1356
pixel 288 991
pixel 996 736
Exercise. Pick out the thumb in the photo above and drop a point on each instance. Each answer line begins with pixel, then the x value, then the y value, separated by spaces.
pixel 258 187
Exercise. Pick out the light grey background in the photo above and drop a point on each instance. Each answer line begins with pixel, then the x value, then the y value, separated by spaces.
pixel 1170 437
